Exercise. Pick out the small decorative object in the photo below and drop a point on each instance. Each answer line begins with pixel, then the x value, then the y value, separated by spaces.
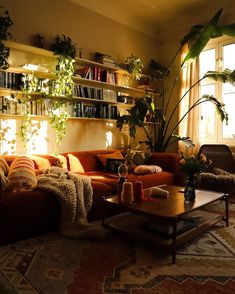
pixel 122 173
pixel 189 190
pixel 139 191
pixel 191 166
pixel 127 193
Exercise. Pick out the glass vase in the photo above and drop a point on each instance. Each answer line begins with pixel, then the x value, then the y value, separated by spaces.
pixel 189 190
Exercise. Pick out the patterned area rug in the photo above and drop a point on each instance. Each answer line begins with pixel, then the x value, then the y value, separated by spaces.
pixel 50 264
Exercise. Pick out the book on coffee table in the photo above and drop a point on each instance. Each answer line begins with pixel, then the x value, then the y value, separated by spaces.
pixel 185 223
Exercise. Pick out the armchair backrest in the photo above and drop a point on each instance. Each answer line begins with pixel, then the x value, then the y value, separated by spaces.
pixel 220 155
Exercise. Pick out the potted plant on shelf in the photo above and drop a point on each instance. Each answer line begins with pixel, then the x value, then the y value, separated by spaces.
pixel 5 24
pixel 164 134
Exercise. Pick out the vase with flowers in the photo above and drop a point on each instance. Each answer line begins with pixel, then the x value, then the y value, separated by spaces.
pixel 191 166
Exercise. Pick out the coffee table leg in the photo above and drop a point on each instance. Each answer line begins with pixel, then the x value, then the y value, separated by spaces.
pixel 226 210
pixel 174 242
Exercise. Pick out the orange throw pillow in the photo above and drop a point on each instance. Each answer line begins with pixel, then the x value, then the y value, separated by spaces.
pixel 75 165
pixel 115 155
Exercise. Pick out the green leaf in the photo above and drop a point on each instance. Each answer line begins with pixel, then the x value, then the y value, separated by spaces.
pixel 186 140
pixel 203 38
pixel 219 107
pixel 226 76
pixel 228 30
pixel 194 31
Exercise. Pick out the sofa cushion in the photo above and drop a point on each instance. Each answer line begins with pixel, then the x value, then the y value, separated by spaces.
pixel 4 166
pixel 40 162
pixel 155 179
pixel 89 160
pixel 147 169
pixel 21 175
pixel 74 164
pixel 115 155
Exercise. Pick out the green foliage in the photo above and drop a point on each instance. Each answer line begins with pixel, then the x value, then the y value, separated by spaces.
pixel 58 117
pixel 134 66
pixel 5 24
pixel 193 164
pixel 63 46
pixel 63 85
pixel 164 133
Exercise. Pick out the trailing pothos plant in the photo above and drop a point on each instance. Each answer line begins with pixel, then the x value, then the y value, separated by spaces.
pixel 5 24
pixel 65 50
pixel 164 132
pixel 28 129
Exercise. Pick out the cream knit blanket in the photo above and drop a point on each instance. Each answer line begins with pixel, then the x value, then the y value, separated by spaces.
pixel 74 193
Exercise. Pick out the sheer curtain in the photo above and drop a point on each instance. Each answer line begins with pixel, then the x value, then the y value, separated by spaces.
pixel 189 127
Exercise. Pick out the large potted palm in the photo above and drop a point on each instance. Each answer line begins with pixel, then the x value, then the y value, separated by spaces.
pixel 164 134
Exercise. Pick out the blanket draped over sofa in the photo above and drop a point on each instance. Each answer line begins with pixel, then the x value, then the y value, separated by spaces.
pixel 74 193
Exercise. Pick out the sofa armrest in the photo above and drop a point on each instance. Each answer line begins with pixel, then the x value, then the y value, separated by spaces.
pixel 168 162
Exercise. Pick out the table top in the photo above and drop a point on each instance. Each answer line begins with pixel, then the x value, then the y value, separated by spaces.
pixel 172 207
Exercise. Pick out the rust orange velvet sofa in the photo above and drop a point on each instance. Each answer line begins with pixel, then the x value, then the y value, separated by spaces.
pixel 27 214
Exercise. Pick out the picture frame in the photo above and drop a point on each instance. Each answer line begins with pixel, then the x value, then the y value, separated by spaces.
pixel 112 164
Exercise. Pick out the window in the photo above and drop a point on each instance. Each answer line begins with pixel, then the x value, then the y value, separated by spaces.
pixel 217 56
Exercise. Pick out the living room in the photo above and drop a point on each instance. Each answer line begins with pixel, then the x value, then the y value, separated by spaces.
pixel 35 258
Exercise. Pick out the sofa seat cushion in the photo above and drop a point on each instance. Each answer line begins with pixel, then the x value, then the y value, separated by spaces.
pixel 105 178
pixel 155 179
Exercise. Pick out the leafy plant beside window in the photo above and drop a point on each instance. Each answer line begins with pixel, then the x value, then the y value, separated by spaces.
pixel 5 24
pixel 164 134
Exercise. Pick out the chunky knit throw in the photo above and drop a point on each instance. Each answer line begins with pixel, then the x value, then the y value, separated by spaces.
pixel 74 193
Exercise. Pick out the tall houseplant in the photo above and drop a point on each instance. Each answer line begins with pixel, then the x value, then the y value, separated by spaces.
pixel 163 133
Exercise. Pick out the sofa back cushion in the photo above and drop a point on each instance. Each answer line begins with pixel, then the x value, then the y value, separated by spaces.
pixel 74 164
pixel 21 175
pixel 89 159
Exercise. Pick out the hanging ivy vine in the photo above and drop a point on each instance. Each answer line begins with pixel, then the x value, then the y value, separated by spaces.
pixel 5 24
pixel 65 50
pixel 28 128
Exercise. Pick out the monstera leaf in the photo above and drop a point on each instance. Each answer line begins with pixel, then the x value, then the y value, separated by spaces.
pixel 206 34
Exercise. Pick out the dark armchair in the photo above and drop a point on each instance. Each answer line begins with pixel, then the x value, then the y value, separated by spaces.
pixel 221 175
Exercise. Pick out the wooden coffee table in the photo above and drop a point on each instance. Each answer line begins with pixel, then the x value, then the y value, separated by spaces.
pixel 169 213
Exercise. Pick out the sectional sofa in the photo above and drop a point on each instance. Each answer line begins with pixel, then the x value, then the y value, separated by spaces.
pixel 29 213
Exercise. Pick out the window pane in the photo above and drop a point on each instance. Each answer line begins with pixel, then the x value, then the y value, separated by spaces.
pixel 206 61
pixel 8 136
pixel 228 92
pixel 207 114
pixel 38 141
pixel 229 56
pixel 229 100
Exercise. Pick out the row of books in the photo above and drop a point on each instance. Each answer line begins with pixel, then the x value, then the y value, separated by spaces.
pixel 95 93
pixel 94 111
pixel 97 74
pixel 11 80
pixel 43 106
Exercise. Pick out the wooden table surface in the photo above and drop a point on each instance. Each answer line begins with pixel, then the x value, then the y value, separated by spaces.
pixel 171 207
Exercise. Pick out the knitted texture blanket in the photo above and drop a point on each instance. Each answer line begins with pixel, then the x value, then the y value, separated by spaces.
pixel 74 193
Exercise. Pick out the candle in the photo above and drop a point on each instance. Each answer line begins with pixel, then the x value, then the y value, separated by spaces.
pixel 127 193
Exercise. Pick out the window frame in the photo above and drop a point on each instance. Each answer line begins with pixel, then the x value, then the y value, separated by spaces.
pixel 216 44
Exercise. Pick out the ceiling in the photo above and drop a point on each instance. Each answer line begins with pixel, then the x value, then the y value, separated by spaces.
pixel 155 17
